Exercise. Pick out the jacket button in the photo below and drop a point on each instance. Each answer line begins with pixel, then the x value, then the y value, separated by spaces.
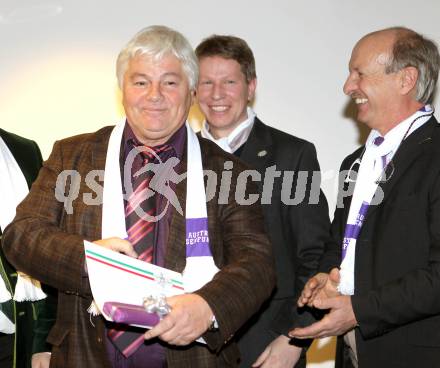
pixel 99 339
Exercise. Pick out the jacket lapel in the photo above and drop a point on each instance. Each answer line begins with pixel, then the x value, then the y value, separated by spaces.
pixel 410 149
pixel 348 182
pixel 98 152
pixel 258 148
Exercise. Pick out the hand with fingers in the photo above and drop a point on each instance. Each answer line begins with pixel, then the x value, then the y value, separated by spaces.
pixel 117 245
pixel 41 360
pixel 339 320
pixel 279 354
pixel 190 317
pixel 320 287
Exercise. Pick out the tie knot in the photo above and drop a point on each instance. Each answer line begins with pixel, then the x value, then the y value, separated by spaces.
pixel 378 140
pixel 150 153
pixel 161 148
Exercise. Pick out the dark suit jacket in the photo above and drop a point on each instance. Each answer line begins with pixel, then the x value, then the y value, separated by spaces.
pixel 397 267
pixel 297 232
pixel 55 238
pixel 33 320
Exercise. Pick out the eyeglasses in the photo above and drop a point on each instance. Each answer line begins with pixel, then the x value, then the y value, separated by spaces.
pixel 385 175
pixel 352 169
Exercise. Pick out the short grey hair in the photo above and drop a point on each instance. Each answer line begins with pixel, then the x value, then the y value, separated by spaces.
pixel 157 42
pixel 413 49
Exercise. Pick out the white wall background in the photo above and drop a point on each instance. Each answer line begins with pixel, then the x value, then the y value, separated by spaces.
pixel 57 65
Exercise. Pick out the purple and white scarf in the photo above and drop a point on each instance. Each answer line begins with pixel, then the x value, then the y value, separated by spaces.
pixel 200 266
pixel 374 160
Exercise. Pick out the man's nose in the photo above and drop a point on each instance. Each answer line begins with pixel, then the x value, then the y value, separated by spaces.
pixel 217 91
pixel 154 92
pixel 350 85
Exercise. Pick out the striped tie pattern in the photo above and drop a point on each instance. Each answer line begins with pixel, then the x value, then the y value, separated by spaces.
pixel 140 233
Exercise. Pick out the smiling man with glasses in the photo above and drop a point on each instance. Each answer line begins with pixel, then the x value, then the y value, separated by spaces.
pixel 380 276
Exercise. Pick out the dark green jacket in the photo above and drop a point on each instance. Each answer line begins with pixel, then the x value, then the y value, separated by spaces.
pixel 33 320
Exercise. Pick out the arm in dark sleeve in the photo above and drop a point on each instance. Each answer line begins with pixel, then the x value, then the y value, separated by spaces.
pixel 45 318
pixel 332 255
pixel 309 225
pixel 247 277
pixel 45 310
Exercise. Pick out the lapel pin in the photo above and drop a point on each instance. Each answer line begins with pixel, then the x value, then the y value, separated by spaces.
pixel 425 140
pixel 262 153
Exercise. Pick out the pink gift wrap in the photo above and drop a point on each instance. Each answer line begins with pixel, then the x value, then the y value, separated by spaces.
pixel 130 314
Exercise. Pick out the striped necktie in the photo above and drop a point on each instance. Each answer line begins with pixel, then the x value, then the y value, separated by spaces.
pixel 142 201
pixel 141 235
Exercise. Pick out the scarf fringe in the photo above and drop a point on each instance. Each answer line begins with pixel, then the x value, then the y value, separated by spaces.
pixel 28 289
pixel 93 309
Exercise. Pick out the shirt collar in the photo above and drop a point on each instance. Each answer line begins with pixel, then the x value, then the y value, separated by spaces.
pixel 236 138
pixel 396 135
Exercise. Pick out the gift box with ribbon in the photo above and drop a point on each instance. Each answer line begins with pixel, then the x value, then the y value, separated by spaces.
pixel 131 314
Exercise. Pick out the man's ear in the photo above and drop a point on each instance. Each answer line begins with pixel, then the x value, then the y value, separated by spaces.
pixel 408 79
pixel 252 86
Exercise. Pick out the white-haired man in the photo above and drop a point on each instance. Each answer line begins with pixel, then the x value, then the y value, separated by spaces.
pixel 157 73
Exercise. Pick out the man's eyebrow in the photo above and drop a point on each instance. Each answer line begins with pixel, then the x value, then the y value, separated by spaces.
pixel 137 74
pixel 172 74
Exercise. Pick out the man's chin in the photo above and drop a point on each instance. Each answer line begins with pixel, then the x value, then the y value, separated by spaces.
pixel 362 116
pixel 220 124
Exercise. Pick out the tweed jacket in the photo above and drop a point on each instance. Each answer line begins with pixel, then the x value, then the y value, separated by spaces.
pixel 33 320
pixel 55 238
